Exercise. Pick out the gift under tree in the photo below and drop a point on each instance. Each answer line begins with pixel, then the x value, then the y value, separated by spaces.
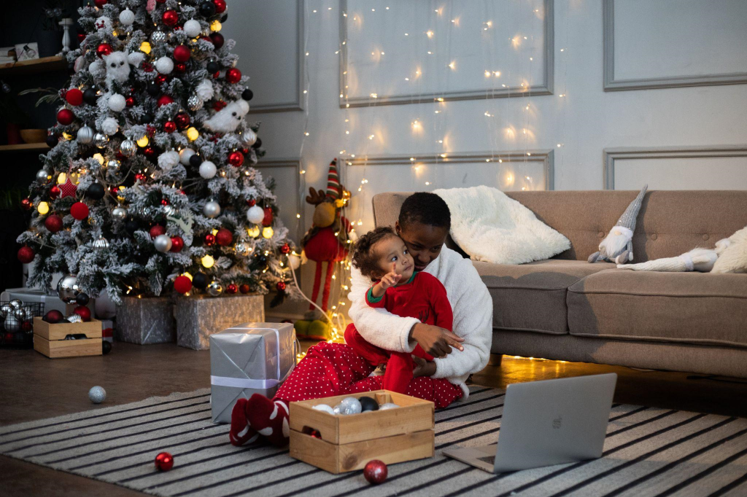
pixel 149 186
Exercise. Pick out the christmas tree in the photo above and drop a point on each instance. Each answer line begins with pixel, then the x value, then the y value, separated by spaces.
pixel 148 186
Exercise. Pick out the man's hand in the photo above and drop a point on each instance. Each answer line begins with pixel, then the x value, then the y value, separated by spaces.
pixel 434 340
pixel 423 367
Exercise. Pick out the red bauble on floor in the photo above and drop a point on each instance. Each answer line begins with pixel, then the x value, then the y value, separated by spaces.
pixel 375 472
pixel 164 461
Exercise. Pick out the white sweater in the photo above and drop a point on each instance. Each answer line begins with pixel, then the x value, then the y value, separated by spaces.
pixel 473 317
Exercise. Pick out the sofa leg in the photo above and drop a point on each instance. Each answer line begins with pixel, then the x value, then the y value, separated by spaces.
pixel 495 359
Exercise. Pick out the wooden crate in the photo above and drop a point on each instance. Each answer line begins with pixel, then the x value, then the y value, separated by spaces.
pixel 49 339
pixel 347 443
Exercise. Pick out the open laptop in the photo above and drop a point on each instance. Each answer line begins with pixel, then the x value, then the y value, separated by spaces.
pixel 547 422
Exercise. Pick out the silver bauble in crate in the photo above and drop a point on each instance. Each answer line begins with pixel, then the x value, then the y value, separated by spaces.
pixel 85 135
pixel 249 137
pixel 67 288
pixel 119 213
pixel 158 36
pixel 20 314
pixel 12 324
pixel 100 140
pixel 5 309
pixel 101 243
pixel 194 103
pixel 42 176
pixel 214 289
pixel 128 148
pixel 74 318
pixel 243 249
pixel 211 209
pixel 162 243
pixel 351 405
pixel 255 214
pixel 16 304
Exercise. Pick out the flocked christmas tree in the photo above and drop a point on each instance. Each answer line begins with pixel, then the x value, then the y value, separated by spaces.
pixel 149 185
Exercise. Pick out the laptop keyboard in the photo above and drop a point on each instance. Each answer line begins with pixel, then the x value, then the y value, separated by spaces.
pixel 487 459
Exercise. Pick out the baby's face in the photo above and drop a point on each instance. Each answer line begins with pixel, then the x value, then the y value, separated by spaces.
pixel 393 256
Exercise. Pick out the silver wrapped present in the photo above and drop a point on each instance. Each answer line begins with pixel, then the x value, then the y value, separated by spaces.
pixel 247 359
pixel 145 321
pixel 200 316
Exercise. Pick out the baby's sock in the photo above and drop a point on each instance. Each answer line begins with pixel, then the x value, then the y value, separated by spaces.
pixel 269 418
pixel 241 433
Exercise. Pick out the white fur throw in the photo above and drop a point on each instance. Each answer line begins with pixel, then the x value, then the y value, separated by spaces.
pixel 491 227
pixel 732 253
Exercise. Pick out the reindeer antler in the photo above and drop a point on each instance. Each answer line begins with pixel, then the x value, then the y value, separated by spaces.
pixel 316 197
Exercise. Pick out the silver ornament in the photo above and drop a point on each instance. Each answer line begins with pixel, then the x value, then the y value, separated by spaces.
pixel 249 137
pixel 387 406
pixel 97 395
pixel 101 243
pixel 16 304
pixel 68 289
pixel 211 209
pixel 119 213
pixel 42 176
pixel 85 135
pixel 243 249
pixel 5 309
pixel 100 140
pixel 113 168
pixel 169 210
pixel 162 243
pixel 23 314
pixel 194 103
pixel 338 409
pixel 351 405
pixel 158 37
pixel 12 324
pixel 128 148
pixel 74 318
pixel 214 289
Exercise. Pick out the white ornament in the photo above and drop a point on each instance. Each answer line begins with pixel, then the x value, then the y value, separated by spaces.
pixel 211 209
pixel 387 406
pixel 205 90
pixel 85 135
pixel 249 137
pixel 324 408
pixel 135 58
pixel 117 67
pixel 294 261
pixel 162 243
pixel 96 68
pixel 127 17
pixel 117 102
pixel 110 126
pixel 168 160
pixel 78 65
pixel 158 36
pixel 164 65
pixel 229 118
pixel 185 155
pixel 351 405
pixel 255 214
pixel 97 395
pixel 208 169
pixel 192 28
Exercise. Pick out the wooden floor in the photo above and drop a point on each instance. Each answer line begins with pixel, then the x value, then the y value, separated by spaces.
pixel 35 387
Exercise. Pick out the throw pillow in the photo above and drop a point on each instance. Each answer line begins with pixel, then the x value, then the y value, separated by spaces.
pixel 733 254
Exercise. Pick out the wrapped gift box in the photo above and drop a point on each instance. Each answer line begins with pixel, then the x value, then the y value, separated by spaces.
pixel 247 359
pixel 200 316
pixel 146 320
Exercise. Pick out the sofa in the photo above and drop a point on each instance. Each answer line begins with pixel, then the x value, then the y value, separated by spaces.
pixel 565 308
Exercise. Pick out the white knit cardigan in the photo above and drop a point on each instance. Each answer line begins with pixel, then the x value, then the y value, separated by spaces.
pixel 473 317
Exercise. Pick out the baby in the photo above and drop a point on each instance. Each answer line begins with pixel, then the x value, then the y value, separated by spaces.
pixel 382 255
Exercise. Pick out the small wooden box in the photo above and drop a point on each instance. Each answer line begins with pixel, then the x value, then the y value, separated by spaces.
pixel 49 339
pixel 347 443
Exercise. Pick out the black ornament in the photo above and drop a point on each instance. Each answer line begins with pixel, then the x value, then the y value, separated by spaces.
pixel 132 226
pixel 200 281
pixel 154 197
pixel 207 9
pixel 368 404
pixel 153 90
pixel 247 94
pixel 213 67
pixel 257 144
pixel 106 347
pixel 51 140
pixel 90 97
pixel 95 191
pixel 147 118
pixel 262 259
pixel 82 299
pixel 195 160
pixel 224 17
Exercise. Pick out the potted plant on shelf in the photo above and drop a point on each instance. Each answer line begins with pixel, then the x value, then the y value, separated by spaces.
pixel 49 96
pixel 12 115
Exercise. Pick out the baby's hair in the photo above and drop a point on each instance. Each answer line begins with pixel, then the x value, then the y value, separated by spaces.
pixel 364 257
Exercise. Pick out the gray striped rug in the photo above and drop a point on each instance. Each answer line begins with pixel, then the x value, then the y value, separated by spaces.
pixel 648 452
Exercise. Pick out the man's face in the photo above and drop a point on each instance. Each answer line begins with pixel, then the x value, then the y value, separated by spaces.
pixel 424 242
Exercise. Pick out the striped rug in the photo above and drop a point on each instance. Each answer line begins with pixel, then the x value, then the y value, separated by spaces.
pixel 648 452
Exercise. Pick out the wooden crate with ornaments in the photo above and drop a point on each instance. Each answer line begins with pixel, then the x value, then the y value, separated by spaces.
pixel 339 443
pixel 56 340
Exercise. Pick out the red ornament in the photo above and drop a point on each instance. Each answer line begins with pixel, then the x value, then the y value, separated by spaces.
pixel 245 151
pixel 182 284
pixel 68 189
pixel 182 120
pixel 81 37
pixel 224 237
pixel 53 223
pixel 114 190
pixel 27 204
pixel 9 337
pixel 177 244
pixel 65 116
pixel 281 286
pixel 156 230
pixel 164 461
pixel 236 159
pixel 169 126
pixel 220 6
pixel 164 202
pixel 27 326
pixel 150 130
pixel 375 472
pixel 182 53
pixel 130 101
pixel 140 177
pixel 161 79
pixel 217 40
pixel 219 105
pixel 244 288
pixel 315 434
pixel 285 249
pixel 233 75
pixel 170 18
pixel 149 152
pixel 251 202
pixel 232 288
pixel 54 192
pixel 25 255
pixel 104 49
pixel 99 3
pixel 216 75
pixel 165 100
pixel 267 221
pixel 209 240
pixel 74 97
pixel 180 67
pixel 79 211
pixel 84 312
pixel 147 67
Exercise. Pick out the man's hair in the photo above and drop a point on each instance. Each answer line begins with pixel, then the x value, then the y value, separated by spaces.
pixel 425 208
pixel 363 257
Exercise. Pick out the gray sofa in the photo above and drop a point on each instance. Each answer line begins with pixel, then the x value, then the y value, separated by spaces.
pixel 567 309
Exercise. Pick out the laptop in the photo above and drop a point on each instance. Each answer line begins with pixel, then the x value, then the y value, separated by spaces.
pixel 545 423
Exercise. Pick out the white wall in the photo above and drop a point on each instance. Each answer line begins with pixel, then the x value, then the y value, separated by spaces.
pixel 670 109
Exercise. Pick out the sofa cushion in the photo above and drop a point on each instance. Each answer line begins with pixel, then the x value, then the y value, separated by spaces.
pixel 533 296
pixel 694 308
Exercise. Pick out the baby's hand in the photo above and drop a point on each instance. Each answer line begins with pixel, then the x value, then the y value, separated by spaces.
pixel 390 279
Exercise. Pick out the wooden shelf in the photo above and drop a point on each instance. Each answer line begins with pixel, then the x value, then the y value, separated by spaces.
pixel 23 146
pixel 35 66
